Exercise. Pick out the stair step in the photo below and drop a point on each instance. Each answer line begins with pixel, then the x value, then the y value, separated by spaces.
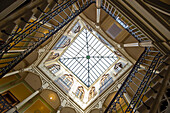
pixel 162 72
pixel 26 17
pixel 158 76
pixel 52 4
pixel 142 108
pixel 162 65
pixel 43 6
pixel 167 60
pixel 151 91
pixel 8 29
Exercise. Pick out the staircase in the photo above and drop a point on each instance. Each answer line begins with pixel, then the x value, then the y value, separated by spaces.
pixel 35 27
pixel 142 89
pixel 41 20
pixel 145 85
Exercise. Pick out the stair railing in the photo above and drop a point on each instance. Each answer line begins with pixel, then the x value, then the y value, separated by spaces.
pixel 30 41
pixel 149 85
pixel 4 104
pixel 123 21
pixel 116 103
pixel 10 58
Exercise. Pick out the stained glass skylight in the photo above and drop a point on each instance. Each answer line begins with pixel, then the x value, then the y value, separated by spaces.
pixel 87 57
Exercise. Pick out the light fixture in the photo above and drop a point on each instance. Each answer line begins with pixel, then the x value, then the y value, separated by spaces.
pixel 51 98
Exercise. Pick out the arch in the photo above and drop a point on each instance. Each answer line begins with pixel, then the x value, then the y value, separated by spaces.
pixel 33 80
pixel 30 59
pixel 95 111
pixel 20 65
pixel 67 110
pixel 108 100
pixel 51 98
pixel 133 52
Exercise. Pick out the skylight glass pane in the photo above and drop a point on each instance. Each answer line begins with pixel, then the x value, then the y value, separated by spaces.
pixel 92 77
pixel 68 61
pixel 87 57
pixel 71 63
pixel 79 44
pixel 102 65
pixel 99 66
pixel 92 41
pixel 75 65
pixel 96 72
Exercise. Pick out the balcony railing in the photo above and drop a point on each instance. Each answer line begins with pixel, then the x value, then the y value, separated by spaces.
pixel 5 105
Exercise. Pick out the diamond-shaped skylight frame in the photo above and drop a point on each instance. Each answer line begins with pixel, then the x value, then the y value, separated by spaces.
pixel 88 58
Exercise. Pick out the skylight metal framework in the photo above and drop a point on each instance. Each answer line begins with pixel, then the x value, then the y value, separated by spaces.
pixel 87 57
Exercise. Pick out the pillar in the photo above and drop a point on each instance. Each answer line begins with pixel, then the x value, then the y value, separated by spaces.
pixel 18 71
pixel 18 106
pixel 100 107
pixel 127 97
pixel 131 45
pixel 63 104
pixel 141 44
pixel 98 6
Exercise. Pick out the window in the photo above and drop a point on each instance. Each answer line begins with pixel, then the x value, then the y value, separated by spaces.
pixel 80 92
pixel 87 57
pixel 62 43
pixel 53 56
pixel 89 28
pixel 105 81
pixel 92 93
pixel 118 66
pixel 54 68
pixel 117 53
pixel 76 28
pixel 65 82
pixel 68 79
pixel 7 101
pixel 66 43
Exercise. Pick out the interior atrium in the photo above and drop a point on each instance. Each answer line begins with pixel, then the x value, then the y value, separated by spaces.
pixel 84 56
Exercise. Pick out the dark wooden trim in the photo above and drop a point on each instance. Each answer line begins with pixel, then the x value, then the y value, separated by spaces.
pixel 153 13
